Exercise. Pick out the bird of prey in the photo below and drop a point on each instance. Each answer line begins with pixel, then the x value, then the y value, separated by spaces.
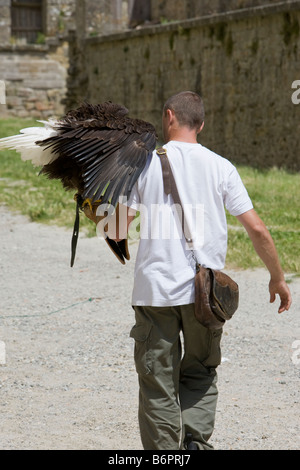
pixel 96 150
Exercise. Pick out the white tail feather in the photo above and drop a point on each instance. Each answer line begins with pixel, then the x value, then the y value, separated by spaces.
pixel 25 143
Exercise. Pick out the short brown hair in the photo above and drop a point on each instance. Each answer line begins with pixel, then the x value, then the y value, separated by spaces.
pixel 188 108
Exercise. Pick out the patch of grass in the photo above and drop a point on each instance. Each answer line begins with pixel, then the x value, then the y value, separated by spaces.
pixel 275 195
pixel 241 253
pixel 23 190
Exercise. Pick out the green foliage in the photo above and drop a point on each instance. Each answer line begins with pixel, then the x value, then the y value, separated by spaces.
pixel 41 38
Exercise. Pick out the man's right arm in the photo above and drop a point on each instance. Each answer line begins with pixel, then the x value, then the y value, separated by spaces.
pixel 266 250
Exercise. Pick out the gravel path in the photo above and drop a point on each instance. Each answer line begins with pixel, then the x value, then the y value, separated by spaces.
pixel 69 382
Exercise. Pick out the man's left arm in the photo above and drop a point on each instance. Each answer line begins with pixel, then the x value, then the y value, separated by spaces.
pixel 266 250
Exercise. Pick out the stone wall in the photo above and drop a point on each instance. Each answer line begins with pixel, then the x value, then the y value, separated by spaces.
pixel 35 80
pixel 35 75
pixel 58 19
pixel 244 69
pixel 5 21
pixel 59 16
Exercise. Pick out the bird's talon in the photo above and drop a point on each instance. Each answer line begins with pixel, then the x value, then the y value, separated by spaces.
pixel 88 202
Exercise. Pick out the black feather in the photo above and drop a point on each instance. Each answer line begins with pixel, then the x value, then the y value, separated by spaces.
pixel 100 152
pixel 99 146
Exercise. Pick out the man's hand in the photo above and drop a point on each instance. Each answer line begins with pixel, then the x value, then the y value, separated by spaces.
pixel 281 288
pixel 266 250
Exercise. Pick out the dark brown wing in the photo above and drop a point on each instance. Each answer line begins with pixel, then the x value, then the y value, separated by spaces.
pixel 100 151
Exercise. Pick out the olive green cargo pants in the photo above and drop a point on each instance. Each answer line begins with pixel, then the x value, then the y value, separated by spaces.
pixel 178 393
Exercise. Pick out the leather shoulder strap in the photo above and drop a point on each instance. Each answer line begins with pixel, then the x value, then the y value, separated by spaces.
pixel 170 187
pixel 166 169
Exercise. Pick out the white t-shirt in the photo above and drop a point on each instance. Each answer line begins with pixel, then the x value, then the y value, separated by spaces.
pixel 206 182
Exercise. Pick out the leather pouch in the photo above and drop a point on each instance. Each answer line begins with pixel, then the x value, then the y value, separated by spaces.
pixel 216 297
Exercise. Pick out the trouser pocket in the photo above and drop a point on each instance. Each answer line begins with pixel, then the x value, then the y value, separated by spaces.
pixel 141 334
pixel 214 348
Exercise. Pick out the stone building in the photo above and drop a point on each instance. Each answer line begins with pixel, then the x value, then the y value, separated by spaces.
pixel 34 56
pixel 34 48
pixel 35 21
pixel 244 63
pixel 36 37
pixel 243 55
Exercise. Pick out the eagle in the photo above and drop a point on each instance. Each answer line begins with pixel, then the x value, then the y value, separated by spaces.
pixel 96 150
